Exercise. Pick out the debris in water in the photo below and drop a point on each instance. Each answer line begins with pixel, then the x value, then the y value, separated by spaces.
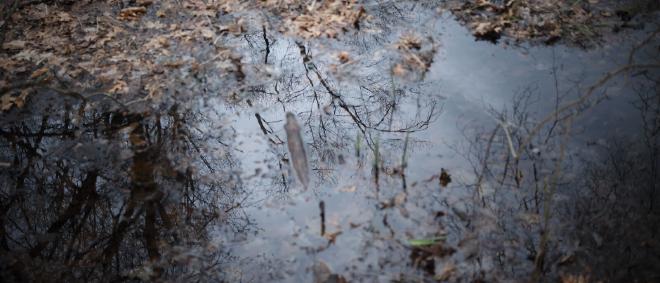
pixel 296 149
pixel 322 208
pixel 445 178
pixel 323 274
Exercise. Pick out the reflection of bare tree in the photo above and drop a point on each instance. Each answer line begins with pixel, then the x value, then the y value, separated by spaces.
pixel 333 114
pixel 615 216
pixel 520 167
pixel 102 196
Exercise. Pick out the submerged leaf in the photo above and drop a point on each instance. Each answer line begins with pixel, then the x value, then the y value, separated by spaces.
pixel 296 149
pixel 445 178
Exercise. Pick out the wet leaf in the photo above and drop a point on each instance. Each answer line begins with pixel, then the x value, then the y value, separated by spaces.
pixel 8 101
pixel 349 189
pixel 343 57
pixel 445 178
pixel 332 237
pixel 38 73
pixel 131 13
pixel 447 272
pixel 119 87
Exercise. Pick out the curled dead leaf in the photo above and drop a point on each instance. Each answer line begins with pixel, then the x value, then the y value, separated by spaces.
pixel 119 87
pixel 131 13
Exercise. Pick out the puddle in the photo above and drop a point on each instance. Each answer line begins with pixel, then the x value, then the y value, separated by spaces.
pixel 205 189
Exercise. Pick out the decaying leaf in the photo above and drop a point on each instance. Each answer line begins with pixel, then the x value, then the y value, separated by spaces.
pixel 131 13
pixel 323 274
pixel 327 19
pixel 144 2
pixel 8 101
pixel 38 73
pixel 349 189
pixel 332 237
pixel 14 45
pixel 445 178
pixel 343 57
pixel 119 87
pixel 575 279
pixel 447 272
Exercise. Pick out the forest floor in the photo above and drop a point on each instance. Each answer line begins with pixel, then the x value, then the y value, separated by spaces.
pixel 121 47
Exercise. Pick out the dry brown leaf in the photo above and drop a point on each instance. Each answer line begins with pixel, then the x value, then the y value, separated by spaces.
pixel 144 2
pixel 7 101
pixel 119 87
pixel 14 45
pixel 39 72
pixel 131 13
pixel 332 237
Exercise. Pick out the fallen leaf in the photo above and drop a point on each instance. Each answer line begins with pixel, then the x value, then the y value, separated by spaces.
pixel 447 272
pixel 8 101
pixel 39 72
pixel 119 87
pixel 14 45
pixel 398 70
pixel 349 189
pixel 445 178
pixel 332 236
pixel 144 2
pixel 343 57
pixel 131 13
pixel 400 199
pixel 64 17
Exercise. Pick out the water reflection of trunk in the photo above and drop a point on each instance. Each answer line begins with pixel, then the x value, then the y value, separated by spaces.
pixel 144 188
pixel 65 204
pixel 84 197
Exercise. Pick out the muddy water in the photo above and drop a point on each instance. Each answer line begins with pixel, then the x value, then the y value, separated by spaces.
pixel 211 184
